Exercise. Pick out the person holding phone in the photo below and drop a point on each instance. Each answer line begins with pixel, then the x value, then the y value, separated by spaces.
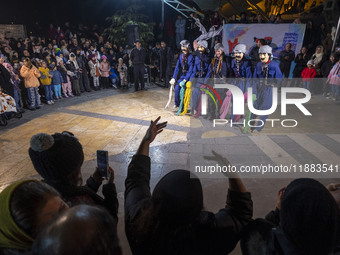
pixel 58 158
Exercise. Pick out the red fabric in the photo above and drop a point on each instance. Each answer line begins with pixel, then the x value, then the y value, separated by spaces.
pixel 308 74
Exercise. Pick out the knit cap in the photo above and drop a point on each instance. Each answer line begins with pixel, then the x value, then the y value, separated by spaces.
pixel 56 156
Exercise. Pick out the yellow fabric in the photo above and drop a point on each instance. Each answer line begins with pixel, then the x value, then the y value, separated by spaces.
pixel 187 96
pixel 11 235
pixel 46 72
pixel 30 76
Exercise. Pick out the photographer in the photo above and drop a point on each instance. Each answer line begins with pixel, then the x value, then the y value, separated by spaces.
pixel 58 159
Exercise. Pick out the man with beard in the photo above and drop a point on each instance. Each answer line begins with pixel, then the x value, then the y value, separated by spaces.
pixel 166 57
pixel 241 70
pixel 201 67
pixel 84 83
pixel 184 66
pixel 268 74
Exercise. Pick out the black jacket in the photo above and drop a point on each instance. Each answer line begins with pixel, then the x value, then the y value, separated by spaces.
pixel 75 195
pixel 138 56
pixel 301 63
pixel 5 83
pixel 214 233
pixel 166 57
pixel 326 68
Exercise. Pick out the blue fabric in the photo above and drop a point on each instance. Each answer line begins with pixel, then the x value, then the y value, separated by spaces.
pixel 244 72
pixel 113 75
pixel 48 92
pixel 335 90
pixel 57 90
pixel 306 85
pixel 179 66
pixel 264 93
pixel 57 78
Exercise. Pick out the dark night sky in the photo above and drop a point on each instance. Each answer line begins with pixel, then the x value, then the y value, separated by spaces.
pixel 76 11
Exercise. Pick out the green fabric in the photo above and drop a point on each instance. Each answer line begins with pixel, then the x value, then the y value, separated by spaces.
pixel 181 96
pixel 11 235
pixel 207 91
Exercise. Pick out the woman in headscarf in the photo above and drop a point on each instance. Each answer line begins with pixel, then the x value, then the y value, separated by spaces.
pixel 26 207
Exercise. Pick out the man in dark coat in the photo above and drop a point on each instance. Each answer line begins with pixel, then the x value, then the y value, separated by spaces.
pixel 84 83
pixel 166 57
pixel 286 57
pixel 254 53
pixel 137 57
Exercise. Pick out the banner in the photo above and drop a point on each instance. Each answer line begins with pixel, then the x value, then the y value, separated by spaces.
pixel 278 34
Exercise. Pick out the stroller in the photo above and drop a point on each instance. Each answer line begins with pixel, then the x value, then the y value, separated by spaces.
pixel 7 109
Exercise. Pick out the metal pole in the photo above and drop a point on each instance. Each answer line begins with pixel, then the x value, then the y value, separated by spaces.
pixel 336 35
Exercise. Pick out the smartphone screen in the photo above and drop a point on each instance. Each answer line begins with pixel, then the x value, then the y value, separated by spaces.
pixel 102 162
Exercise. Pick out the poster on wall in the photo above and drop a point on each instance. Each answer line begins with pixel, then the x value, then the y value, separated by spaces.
pixel 277 34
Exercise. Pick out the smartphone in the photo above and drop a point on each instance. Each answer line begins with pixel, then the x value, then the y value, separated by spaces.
pixel 103 162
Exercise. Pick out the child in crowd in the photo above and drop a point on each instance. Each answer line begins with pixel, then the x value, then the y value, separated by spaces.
pixel 334 81
pixel 46 80
pixel 105 69
pixel 66 83
pixel 57 80
pixel 308 74
pixel 94 70
pixel 114 77
pixel 122 69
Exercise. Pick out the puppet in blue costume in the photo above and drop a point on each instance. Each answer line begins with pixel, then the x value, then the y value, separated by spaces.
pixel 184 66
pixel 201 67
pixel 267 74
pixel 241 71
pixel 219 71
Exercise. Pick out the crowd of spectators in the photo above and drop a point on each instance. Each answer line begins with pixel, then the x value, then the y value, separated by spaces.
pixel 60 215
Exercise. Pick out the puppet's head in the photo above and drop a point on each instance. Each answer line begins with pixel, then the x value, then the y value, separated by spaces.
pixel 202 46
pixel 265 53
pixel 185 45
pixel 239 52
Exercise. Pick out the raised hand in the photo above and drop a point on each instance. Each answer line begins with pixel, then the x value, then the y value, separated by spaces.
pixel 154 130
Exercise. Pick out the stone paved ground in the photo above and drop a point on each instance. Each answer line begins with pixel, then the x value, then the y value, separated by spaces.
pixel 115 121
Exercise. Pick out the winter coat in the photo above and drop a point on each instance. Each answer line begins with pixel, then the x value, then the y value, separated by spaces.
pixel 57 78
pixel 138 56
pixel 333 76
pixel 326 68
pixel 45 79
pixel 93 67
pixel 30 76
pixel 104 69
pixel 5 83
pixel 72 70
pixel 285 63
pixel 308 74
pixel 301 63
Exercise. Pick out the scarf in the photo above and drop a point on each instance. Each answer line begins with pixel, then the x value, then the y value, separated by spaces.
pixel 11 235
